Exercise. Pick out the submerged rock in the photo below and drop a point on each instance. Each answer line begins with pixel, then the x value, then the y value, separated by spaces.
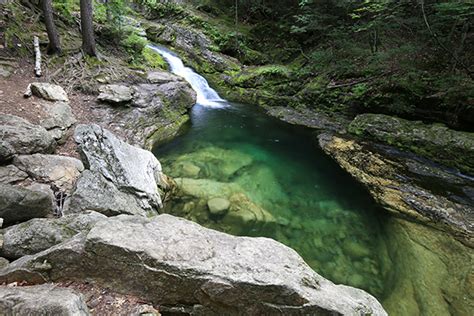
pixel 39 300
pixel 406 186
pixel 130 169
pixel 19 204
pixel 21 137
pixel 177 263
pixel 39 234
pixel 218 206
pixel 436 141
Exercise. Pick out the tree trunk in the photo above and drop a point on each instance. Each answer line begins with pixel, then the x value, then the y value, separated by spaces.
pixel 54 46
pixel 87 28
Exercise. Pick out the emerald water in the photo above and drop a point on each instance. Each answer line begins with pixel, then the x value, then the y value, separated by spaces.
pixel 314 207
pixel 272 180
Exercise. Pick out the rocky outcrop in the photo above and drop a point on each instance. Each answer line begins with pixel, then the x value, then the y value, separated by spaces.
pixel 41 300
pixel 406 185
pixel 39 234
pixel 94 192
pixel 102 152
pixel 185 267
pixel 47 91
pixel 20 204
pixel 435 141
pixel 153 109
pixel 60 171
pixel 21 137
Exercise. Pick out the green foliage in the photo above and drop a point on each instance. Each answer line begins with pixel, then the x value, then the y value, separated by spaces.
pixel 66 8
pixel 134 43
pixel 153 59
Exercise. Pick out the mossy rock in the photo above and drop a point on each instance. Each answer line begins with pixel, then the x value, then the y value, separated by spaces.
pixel 435 141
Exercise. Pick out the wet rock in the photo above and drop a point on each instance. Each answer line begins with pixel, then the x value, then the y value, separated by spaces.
pixel 394 182
pixel 22 137
pixel 11 174
pixel 204 188
pixel 102 152
pixel 19 204
pixel 39 300
pixel 436 141
pixel 48 91
pixel 218 206
pixel 200 270
pixel 115 93
pixel 94 192
pixel 61 171
pixel 39 234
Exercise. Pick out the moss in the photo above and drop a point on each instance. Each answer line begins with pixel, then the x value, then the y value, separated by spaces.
pixel 153 59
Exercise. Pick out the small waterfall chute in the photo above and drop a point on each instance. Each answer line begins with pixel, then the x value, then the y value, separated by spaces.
pixel 206 96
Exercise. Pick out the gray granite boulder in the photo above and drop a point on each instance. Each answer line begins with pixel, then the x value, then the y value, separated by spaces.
pixel 21 137
pixel 130 169
pixel 39 234
pixel 40 300
pixel 61 171
pixel 185 267
pixel 20 204
pixel 10 174
pixel 48 91
pixel 94 192
pixel 115 93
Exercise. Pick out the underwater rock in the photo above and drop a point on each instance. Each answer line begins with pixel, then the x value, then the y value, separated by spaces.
pixel 199 270
pixel 427 194
pixel 205 188
pixel 218 206
pixel 355 249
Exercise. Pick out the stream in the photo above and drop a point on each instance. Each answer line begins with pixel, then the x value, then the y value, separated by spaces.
pixel 294 193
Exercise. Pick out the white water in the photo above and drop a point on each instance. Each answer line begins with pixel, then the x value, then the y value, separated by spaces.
pixel 206 96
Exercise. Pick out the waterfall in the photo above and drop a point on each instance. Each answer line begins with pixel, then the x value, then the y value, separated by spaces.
pixel 206 96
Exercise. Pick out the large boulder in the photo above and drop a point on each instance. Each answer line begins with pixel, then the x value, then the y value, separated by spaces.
pixel 161 77
pixel 11 174
pixel 48 91
pixel 6 151
pixel 20 204
pixel 39 234
pixel 40 300
pixel 94 192
pixel 21 137
pixel 130 169
pixel 184 267
pixel 435 141
pixel 405 186
pixel 58 120
pixel 61 171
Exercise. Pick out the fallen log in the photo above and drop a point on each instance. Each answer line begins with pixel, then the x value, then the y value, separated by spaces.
pixel 37 56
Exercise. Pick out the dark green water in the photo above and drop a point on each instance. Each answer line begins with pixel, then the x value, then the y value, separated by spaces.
pixel 316 208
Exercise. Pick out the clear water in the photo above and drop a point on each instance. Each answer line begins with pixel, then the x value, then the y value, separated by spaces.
pixel 279 184
pixel 318 210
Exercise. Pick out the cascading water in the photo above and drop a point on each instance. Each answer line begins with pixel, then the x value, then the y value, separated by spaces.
pixel 206 96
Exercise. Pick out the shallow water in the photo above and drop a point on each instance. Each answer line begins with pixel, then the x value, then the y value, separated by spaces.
pixel 319 211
